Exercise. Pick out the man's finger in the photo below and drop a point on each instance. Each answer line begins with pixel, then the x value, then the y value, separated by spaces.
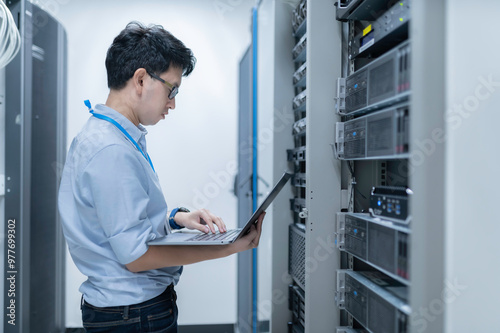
pixel 220 224
pixel 208 220
pixel 260 221
pixel 203 228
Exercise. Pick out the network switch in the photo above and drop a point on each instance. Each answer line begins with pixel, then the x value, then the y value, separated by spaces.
pixel 382 82
pixel 388 30
pixel 382 244
pixel 391 203
pixel 366 10
pixel 377 302
pixel 384 134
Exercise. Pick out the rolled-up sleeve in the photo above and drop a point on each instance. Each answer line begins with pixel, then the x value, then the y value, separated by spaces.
pixel 117 186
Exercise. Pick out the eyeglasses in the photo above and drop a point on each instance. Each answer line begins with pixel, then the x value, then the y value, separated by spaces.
pixel 173 89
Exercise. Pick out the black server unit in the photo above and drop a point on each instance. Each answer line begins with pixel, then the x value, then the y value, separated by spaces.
pixel 35 150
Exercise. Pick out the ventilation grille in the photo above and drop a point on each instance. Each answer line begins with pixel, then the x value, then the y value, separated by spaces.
pixel 297 255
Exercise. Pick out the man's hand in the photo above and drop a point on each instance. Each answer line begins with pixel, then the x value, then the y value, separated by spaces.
pixel 201 219
pixel 251 239
pixel 158 256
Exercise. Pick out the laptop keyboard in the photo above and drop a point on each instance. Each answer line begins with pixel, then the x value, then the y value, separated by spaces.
pixel 215 237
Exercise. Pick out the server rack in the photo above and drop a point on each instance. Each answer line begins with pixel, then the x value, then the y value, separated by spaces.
pixel 316 187
pixel 35 137
pixel 444 70
pixel 372 139
pixel 345 144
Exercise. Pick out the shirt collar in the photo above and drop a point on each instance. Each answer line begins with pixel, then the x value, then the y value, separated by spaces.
pixel 136 132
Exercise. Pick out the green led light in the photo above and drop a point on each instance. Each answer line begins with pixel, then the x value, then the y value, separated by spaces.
pixel 401 19
pixel 401 4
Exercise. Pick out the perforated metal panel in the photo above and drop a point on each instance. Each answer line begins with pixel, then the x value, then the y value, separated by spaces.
pixel 297 255
pixel 296 328
pixel 355 138
pixel 356 87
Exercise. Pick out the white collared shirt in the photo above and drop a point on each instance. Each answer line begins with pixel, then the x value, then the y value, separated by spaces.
pixel 111 205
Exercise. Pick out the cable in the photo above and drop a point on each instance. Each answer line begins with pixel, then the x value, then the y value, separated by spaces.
pixel 10 38
pixel 351 169
pixel 8 35
pixel 351 188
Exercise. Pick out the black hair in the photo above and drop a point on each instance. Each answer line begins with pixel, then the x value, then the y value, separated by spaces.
pixel 152 48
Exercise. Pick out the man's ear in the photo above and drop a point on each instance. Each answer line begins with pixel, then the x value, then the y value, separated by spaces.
pixel 138 79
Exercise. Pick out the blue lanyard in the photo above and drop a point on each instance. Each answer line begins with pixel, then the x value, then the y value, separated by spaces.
pixel 124 131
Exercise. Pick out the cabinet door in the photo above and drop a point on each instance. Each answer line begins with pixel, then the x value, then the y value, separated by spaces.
pixel 243 190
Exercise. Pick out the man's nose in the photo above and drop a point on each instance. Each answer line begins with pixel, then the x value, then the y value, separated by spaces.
pixel 171 103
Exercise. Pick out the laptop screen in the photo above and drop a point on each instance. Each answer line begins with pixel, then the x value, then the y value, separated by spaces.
pixel 267 201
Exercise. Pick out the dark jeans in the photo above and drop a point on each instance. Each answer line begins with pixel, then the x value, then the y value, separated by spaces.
pixel 156 315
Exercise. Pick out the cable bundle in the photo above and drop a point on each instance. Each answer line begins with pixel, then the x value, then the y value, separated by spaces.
pixel 10 39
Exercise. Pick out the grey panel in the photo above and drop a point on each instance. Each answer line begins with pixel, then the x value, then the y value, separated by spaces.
pixel 323 172
pixel 60 278
pixel 243 189
pixel 429 81
pixel 44 142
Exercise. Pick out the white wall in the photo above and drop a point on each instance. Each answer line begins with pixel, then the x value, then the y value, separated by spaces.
pixel 472 177
pixel 199 135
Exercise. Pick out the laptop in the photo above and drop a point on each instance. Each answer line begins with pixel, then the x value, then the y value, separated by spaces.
pixel 195 237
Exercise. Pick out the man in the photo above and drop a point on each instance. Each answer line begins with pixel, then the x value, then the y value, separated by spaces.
pixel 110 199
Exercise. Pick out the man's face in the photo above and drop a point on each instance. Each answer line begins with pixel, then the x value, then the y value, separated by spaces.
pixel 155 102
